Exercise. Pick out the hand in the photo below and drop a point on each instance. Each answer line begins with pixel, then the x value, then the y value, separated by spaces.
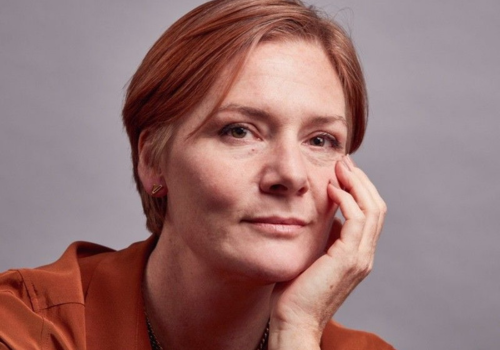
pixel 302 307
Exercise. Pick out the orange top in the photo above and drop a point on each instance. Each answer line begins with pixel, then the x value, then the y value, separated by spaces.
pixel 91 299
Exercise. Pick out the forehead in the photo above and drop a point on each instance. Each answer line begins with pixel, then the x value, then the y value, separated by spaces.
pixel 290 75
pixel 285 78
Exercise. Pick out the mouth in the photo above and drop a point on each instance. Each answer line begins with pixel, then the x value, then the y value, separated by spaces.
pixel 276 225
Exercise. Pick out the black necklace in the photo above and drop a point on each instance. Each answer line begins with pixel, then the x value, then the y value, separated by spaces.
pixel 152 339
pixel 155 345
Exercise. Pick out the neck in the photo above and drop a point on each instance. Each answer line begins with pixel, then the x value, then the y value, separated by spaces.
pixel 193 306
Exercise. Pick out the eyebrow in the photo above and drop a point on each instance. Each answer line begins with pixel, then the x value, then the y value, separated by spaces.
pixel 262 114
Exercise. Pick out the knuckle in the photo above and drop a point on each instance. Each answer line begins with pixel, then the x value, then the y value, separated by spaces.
pixel 383 208
pixel 368 268
pixel 358 264
pixel 365 269
pixel 364 266
pixel 351 261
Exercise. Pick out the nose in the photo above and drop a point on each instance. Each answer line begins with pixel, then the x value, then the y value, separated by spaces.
pixel 284 171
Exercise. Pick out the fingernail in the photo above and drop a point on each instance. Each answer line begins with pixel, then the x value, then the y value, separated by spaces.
pixel 350 162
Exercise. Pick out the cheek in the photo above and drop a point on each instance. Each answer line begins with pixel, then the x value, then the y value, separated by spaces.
pixel 332 176
pixel 321 167
pixel 211 184
pixel 322 177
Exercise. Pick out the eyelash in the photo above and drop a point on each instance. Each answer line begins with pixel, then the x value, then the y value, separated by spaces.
pixel 328 138
pixel 228 129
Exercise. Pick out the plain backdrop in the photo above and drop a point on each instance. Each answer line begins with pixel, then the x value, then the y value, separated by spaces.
pixel 433 75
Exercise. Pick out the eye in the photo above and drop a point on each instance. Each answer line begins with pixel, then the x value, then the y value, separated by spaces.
pixel 317 141
pixel 239 132
pixel 323 140
pixel 235 130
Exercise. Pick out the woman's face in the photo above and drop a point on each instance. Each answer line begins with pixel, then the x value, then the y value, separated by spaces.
pixel 247 192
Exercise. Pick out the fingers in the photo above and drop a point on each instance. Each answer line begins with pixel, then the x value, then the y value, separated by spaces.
pixel 334 233
pixel 381 207
pixel 361 205
pixel 352 230
pixel 349 177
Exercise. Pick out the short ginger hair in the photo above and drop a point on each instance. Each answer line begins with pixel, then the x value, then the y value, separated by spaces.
pixel 188 59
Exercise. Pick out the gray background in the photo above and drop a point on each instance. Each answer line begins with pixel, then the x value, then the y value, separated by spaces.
pixel 433 72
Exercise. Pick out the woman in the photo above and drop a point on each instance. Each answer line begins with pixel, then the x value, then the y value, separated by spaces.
pixel 241 118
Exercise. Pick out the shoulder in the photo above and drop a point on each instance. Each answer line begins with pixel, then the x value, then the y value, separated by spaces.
pixel 45 305
pixel 75 302
pixel 338 337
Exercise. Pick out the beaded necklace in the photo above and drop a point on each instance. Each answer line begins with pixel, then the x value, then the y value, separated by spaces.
pixel 155 344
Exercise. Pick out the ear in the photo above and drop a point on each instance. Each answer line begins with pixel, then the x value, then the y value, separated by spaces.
pixel 151 177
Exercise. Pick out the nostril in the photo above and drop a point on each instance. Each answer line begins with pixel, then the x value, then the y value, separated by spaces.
pixel 302 190
pixel 277 187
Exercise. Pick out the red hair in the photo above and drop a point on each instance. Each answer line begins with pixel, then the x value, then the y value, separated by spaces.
pixel 186 61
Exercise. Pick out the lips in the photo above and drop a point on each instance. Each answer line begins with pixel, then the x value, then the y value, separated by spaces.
pixel 276 226
pixel 276 220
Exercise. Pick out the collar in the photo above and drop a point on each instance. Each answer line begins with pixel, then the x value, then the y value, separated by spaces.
pixel 114 307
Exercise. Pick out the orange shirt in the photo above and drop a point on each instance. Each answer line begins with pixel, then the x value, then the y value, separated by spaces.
pixel 91 299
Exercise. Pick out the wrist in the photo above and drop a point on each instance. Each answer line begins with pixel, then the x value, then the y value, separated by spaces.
pixel 294 339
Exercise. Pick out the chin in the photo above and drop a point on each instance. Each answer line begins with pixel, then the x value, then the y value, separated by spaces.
pixel 281 267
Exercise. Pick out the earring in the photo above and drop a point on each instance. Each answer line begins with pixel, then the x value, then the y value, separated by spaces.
pixel 156 189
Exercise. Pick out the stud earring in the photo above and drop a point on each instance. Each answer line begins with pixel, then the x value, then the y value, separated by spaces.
pixel 156 189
